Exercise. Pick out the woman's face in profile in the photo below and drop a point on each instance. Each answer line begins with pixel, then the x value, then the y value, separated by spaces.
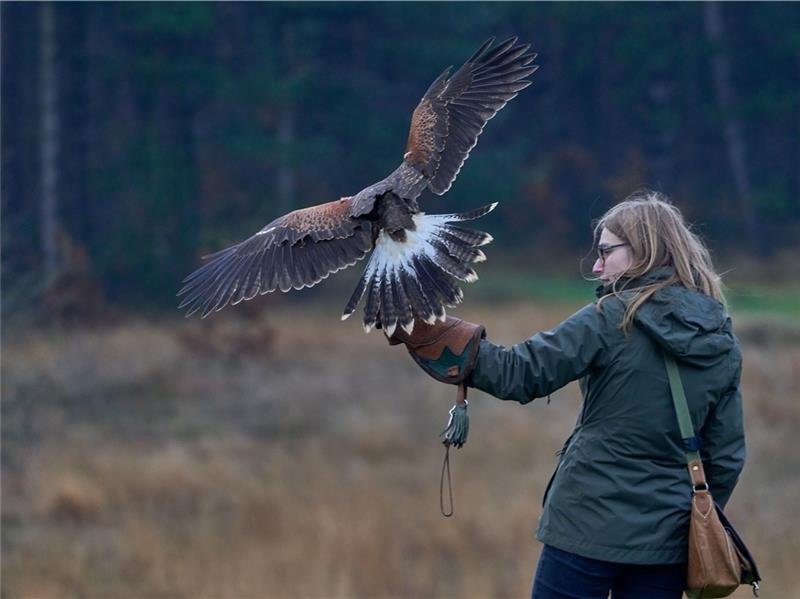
pixel 613 257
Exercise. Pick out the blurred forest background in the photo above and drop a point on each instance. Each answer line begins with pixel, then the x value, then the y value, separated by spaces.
pixel 146 455
pixel 137 138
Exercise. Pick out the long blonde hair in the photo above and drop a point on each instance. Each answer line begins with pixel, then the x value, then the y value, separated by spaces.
pixel 658 236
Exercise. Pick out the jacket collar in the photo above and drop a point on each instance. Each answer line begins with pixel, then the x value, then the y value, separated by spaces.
pixel 658 273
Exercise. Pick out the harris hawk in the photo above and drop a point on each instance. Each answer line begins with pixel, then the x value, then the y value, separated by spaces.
pixel 417 259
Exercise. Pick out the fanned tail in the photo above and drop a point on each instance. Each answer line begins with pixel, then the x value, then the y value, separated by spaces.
pixel 417 279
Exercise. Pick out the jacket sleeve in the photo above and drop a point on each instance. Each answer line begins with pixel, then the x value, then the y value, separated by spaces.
pixel 545 362
pixel 723 448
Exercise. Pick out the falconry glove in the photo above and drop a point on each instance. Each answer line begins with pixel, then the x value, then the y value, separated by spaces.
pixel 447 351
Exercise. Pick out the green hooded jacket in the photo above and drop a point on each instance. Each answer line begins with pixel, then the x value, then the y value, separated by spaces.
pixel 621 491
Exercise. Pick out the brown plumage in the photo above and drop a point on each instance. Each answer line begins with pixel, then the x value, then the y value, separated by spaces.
pixel 451 115
pixel 418 259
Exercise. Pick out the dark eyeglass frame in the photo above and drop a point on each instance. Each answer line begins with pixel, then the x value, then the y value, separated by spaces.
pixel 604 250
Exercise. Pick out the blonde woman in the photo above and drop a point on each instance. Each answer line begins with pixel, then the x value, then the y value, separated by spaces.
pixel 615 514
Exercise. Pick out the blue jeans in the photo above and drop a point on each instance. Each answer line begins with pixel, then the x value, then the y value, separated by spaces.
pixel 562 575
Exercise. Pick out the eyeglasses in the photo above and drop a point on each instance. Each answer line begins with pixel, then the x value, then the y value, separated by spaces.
pixel 604 250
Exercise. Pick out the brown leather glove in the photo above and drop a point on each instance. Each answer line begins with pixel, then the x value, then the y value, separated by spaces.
pixel 445 350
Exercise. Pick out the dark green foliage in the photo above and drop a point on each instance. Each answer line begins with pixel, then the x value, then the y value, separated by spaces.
pixel 185 127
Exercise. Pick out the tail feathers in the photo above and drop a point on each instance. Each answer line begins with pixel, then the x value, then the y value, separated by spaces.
pixel 405 312
pixel 448 262
pixel 358 293
pixel 458 249
pixel 420 304
pixel 469 215
pixel 388 314
pixel 373 302
pixel 470 237
pixel 418 278
pixel 440 283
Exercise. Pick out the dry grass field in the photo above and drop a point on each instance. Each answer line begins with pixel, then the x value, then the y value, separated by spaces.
pixel 293 456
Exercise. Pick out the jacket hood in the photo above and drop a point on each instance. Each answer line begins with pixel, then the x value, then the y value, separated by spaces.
pixel 690 325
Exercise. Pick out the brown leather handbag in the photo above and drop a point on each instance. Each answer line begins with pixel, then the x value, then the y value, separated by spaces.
pixel 719 561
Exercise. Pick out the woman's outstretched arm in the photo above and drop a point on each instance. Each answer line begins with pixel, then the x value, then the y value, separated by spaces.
pixel 547 361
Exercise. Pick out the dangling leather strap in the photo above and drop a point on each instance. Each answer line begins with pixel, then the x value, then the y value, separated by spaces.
pixel 446 469
pixel 691 443
pixel 461 394
pixel 461 400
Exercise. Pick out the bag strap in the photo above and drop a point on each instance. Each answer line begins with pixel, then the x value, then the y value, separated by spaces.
pixel 691 443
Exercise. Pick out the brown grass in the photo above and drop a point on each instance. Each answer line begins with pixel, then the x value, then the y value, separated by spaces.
pixel 293 456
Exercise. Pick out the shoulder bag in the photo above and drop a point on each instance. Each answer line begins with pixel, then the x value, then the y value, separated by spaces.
pixel 719 561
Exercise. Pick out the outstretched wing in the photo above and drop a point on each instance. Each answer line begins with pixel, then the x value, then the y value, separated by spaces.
pixel 453 112
pixel 294 251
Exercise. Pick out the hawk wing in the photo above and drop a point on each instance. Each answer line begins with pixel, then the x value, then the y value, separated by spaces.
pixel 453 112
pixel 296 250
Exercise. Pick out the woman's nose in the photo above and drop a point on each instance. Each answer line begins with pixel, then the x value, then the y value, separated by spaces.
pixel 598 267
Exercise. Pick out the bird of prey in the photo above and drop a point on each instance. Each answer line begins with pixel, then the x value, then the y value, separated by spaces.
pixel 417 259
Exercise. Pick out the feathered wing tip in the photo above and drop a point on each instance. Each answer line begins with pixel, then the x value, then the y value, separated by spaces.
pixel 417 279
pixel 259 265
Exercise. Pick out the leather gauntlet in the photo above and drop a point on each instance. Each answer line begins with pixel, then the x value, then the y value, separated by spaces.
pixel 447 350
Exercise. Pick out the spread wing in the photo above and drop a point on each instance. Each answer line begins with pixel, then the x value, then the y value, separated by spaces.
pixel 453 112
pixel 296 250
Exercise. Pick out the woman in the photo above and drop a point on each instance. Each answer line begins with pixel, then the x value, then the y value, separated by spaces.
pixel 616 512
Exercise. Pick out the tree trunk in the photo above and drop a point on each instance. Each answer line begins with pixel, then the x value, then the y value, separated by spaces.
pixel 286 129
pixel 49 142
pixel 286 175
pixel 732 130
pixel 93 92
pixel 797 124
